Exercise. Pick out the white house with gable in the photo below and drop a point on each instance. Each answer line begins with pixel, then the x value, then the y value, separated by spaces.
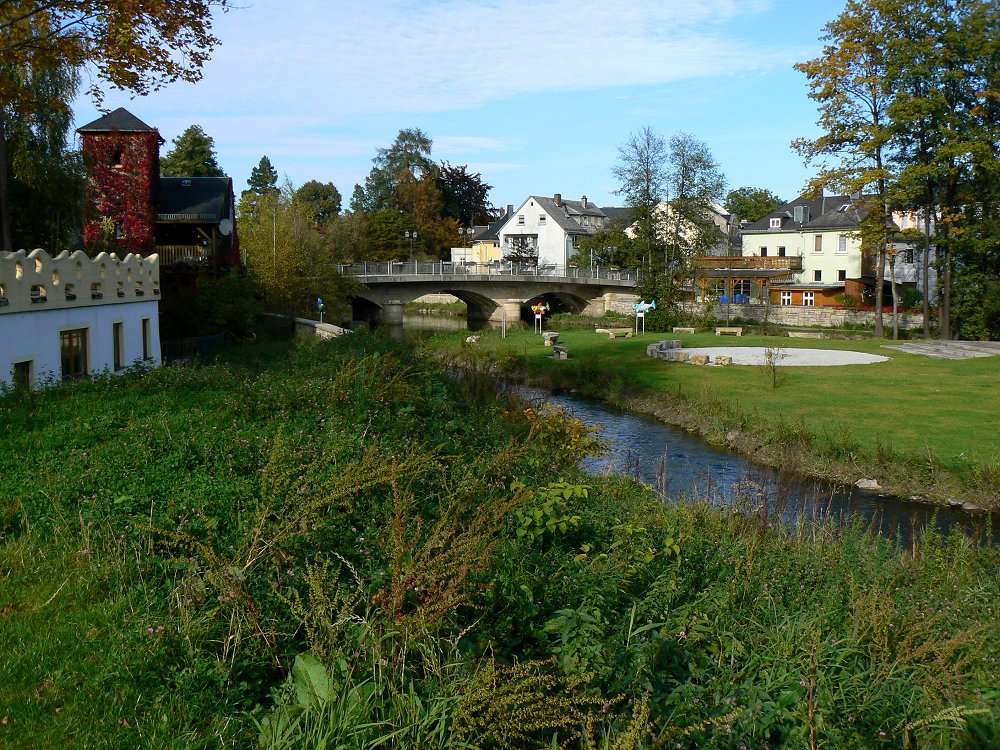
pixel 552 226
pixel 71 316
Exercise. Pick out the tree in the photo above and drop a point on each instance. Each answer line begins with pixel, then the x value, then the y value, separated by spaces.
pixel 263 178
pixel 465 196
pixel 851 83
pixel 752 204
pixel 642 177
pixel 407 160
pixel 696 183
pixel 193 155
pixel 290 259
pixel 322 198
pixel 40 177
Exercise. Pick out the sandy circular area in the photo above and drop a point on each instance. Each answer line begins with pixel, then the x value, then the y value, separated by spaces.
pixel 788 357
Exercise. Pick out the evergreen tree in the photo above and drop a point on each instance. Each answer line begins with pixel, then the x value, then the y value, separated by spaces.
pixel 193 155
pixel 263 179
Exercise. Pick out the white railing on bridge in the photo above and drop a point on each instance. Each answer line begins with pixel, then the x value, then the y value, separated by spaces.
pixel 502 268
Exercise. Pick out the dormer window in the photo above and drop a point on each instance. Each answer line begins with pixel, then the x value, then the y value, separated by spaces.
pixel 775 222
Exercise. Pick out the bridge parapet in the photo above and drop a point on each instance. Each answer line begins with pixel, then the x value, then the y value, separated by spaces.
pixel 383 272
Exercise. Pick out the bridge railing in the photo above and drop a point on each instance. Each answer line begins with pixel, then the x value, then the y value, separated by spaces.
pixel 500 268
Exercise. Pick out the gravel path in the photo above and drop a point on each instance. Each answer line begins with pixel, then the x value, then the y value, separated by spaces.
pixel 754 355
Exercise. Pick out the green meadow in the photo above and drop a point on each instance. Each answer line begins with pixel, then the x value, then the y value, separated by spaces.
pixel 339 545
pixel 921 426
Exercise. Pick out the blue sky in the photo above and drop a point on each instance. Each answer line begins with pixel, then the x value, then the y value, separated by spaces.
pixel 535 96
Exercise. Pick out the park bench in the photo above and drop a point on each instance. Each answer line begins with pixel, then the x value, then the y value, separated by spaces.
pixel 560 352
pixel 681 329
pixel 729 330
pixel 615 332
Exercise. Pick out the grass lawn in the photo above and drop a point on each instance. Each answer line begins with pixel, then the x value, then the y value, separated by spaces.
pixel 934 414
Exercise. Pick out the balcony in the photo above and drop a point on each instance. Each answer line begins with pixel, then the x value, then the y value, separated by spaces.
pixel 190 255
pixel 749 263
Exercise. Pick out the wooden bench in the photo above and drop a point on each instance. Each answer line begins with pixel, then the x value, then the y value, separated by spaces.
pixel 615 332
pixel 726 330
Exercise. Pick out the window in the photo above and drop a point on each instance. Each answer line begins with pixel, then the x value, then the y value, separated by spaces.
pixel 786 298
pixel 3 296
pixel 95 290
pixel 818 243
pixel 763 252
pixel 776 222
pixel 842 243
pixel 908 255
pixel 73 350
pixel 842 275
pixel 38 294
pixel 520 219
pixel 808 299
pixel 781 252
pixel 742 287
pixel 147 343
pixel 817 275
pixel 118 343
pixel 23 373
pixel 541 218
pixel 718 288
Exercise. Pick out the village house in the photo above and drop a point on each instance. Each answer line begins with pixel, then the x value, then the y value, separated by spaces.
pixel 550 229
pixel 808 253
pixel 189 222
pixel 70 316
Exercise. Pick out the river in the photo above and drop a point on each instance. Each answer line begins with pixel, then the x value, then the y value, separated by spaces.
pixel 681 465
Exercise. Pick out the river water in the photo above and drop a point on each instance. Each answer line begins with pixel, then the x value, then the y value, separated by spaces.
pixel 681 465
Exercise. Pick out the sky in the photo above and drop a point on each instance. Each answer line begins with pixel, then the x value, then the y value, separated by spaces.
pixel 536 97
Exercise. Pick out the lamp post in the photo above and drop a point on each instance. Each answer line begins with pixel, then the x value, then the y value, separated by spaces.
pixel 462 234
pixel 411 236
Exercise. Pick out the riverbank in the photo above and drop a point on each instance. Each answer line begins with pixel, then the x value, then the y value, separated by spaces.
pixel 921 428
pixel 333 543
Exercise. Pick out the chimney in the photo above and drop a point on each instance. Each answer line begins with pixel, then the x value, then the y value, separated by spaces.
pixel 557 198
pixel 583 200
pixel 510 209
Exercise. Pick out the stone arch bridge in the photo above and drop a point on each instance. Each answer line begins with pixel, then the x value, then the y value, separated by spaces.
pixel 490 291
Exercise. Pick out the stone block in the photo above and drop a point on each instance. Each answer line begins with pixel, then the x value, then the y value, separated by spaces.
pixel 473 339
pixel 723 360
pixel 560 352
pixel 699 359
pixel 676 356
pixel 551 338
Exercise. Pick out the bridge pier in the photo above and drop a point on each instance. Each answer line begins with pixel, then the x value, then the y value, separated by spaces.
pixel 392 313
pixel 513 308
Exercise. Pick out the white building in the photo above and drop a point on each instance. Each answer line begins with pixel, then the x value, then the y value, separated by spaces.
pixel 552 226
pixel 70 316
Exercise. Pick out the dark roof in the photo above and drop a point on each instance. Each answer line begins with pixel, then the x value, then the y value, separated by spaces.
pixel 824 211
pixel 207 199
pixel 564 211
pixel 120 121
pixel 615 212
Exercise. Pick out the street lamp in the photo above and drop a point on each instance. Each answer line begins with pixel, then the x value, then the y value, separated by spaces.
pixel 411 236
pixel 467 232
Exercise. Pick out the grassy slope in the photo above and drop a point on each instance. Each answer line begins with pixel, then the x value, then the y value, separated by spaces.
pixel 749 614
pixel 884 420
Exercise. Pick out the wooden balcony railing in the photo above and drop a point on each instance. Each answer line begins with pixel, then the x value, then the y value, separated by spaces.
pixel 194 255
pixel 750 262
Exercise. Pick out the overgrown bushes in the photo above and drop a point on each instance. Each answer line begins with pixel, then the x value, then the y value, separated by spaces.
pixel 338 543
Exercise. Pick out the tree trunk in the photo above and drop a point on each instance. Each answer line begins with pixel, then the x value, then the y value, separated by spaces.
pixel 925 271
pixel 879 282
pixel 895 297
pixel 6 242
pixel 946 298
